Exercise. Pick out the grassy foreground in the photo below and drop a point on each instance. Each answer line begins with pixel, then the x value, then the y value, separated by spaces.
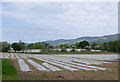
pixel 9 71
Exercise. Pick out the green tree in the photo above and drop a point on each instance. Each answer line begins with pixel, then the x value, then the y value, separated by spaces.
pixel 64 46
pixel 22 45
pixel 18 46
pixel 30 46
pixel 4 46
pixel 76 45
pixel 93 46
pixel 44 47
pixel 114 46
pixel 83 44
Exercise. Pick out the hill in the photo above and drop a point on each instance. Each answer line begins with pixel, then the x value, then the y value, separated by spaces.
pixel 99 39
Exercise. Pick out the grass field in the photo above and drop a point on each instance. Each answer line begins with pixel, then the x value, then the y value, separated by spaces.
pixel 9 71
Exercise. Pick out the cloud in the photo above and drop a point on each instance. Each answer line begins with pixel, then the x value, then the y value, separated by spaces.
pixel 69 19
pixel 62 13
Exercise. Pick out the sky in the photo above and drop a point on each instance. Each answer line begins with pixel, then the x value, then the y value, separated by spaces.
pixel 41 21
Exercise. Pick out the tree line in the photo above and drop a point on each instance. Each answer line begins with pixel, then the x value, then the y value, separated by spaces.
pixel 113 46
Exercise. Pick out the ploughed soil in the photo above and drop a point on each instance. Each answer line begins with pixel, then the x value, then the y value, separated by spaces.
pixel 68 75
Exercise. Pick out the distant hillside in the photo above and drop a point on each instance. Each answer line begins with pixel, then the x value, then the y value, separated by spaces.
pixel 89 39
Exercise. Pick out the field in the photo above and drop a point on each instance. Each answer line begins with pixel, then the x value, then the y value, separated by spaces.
pixel 18 66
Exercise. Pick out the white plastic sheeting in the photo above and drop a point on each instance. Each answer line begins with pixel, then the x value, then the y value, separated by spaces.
pixel 62 60
pixel 37 66
pixel 53 68
pixel 1 56
pixel 88 67
pixel 17 57
pixel 63 66
pixel 23 66
pixel 23 56
pixel 6 57
pixel 95 67
pixel 83 68
pixel 12 56
pixel 88 61
pixel 94 56
pixel 60 65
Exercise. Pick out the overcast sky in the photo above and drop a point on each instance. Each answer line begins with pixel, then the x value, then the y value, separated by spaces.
pixel 32 22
